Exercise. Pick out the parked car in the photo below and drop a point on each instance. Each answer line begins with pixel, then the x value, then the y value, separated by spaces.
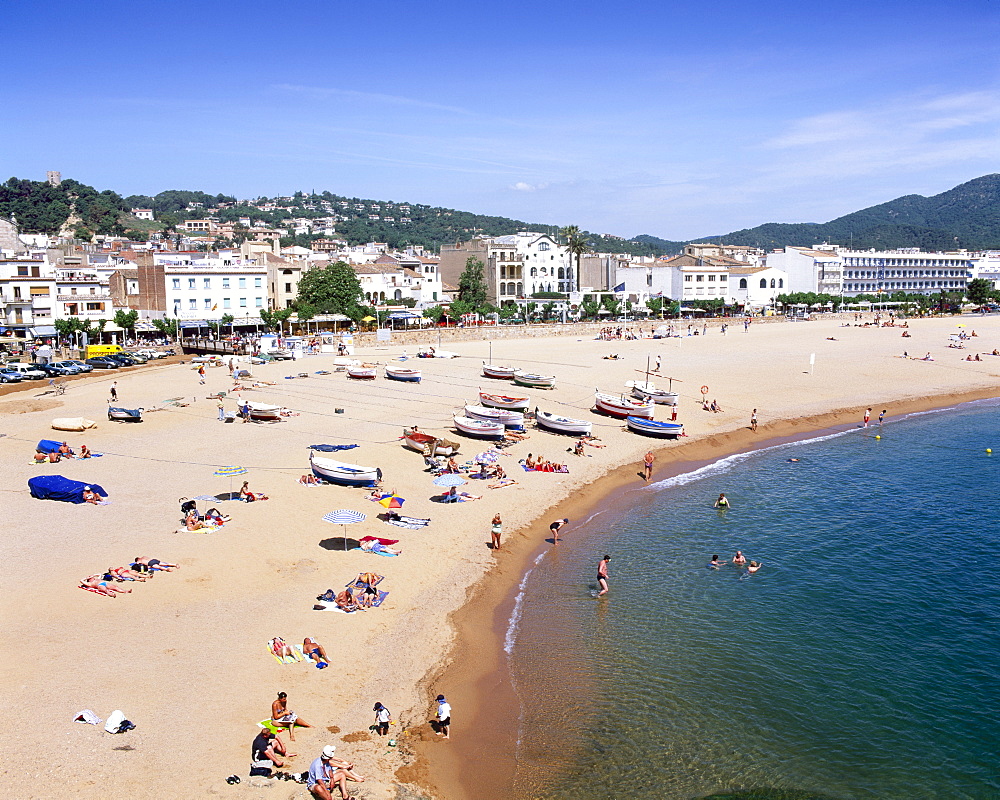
pixel 83 366
pixel 103 362
pixel 9 375
pixel 122 360
pixel 151 354
pixel 69 366
pixel 51 370
pixel 29 372
pixel 138 358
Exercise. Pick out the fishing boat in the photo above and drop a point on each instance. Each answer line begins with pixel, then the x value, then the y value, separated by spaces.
pixel 263 412
pixel 503 401
pixel 394 373
pixel 361 372
pixel 621 406
pixel 124 414
pixel 645 390
pixel 343 474
pixel 505 416
pixel 522 378
pixel 501 373
pixel 427 444
pixel 479 428
pixel 553 423
pixel 650 427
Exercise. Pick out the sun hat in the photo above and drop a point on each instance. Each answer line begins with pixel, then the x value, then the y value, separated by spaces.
pixel 329 750
pixel 440 698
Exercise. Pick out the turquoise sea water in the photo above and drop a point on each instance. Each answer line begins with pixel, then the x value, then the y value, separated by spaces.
pixel 861 661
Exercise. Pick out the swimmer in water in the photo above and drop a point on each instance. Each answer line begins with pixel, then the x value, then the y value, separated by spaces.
pixel 739 559
pixel 722 502
pixel 754 566
pixel 793 460
pixel 715 563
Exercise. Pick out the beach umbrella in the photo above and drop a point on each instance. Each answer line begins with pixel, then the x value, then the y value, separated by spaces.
pixel 229 472
pixel 449 480
pixel 345 517
pixel 392 501
pixel 489 457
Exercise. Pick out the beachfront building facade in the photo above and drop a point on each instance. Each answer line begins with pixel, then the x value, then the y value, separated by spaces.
pixel 816 269
pixel 754 288
pixel 986 266
pixel 515 266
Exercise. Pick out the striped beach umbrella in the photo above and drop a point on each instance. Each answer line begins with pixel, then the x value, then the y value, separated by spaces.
pixel 345 517
pixel 231 471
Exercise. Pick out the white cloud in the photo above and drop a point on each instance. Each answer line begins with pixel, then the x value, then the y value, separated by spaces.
pixel 521 186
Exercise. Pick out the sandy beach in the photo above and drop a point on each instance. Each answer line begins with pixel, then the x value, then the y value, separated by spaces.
pixel 184 655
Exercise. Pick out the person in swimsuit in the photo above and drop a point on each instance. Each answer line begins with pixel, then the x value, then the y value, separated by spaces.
pixel 722 502
pixel 345 601
pixel 739 559
pixel 715 563
pixel 754 566
pixel 753 420
pixel 496 528
pixel 602 575
pixel 90 496
pixel 281 649
pixel 101 586
pixel 154 564
pixel 283 718
pixel 554 529
pixel 647 465
pixel 316 652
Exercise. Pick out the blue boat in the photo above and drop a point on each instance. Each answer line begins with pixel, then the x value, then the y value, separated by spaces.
pixel 402 374
pixel 650 427
pixel 124 414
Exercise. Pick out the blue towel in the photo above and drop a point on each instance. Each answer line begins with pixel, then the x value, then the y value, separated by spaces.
pixel 331 448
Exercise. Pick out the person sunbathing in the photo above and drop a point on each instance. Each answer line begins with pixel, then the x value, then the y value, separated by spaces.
pixel 316 652
pixel 90 496
pixel 153 564
pixel 123 574
pixel 84 452
pixel 193 522
pixel 578 448
pixel 503 483
pixel 247 496
pixel 375 546
pixel 281 649
pixel 345 601
pixel 216 517
pixel 515 436
pixel 452 466
pixel 375 496
pixel 309 480
pixel 101 586
pixel 530 461
pixel 40 457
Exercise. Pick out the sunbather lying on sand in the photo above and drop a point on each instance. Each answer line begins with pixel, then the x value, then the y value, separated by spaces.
pixel 375 546
pixel 123 574
pixel 316 652
pixel 153 564
pixel 281 649
pixel 101 586
pixel 309 480
pixel 501 484
pixel 193 522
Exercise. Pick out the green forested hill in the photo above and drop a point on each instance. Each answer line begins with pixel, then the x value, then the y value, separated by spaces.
pixel 966 216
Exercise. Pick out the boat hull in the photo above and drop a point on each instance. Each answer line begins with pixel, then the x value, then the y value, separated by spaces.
pixel 503 401
pixel 556 424
pixel 125 414
pixel 500 373
pixel 479 429
pixel 408 375
pixel 361 373
pixel 343 474
pixel 649 427
pixel 534 381
pixel 428 445
pixel 505 416
pixel 655 396
pixel 622 407
pixel 264 413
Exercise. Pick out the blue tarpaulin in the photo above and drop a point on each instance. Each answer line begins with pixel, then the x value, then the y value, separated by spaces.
pixel 48 446
pixel 56 487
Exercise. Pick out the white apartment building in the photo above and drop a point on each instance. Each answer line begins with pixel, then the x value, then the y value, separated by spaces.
pixel 202 286
pixel 755 288
pixel 986 265
pixel 816 269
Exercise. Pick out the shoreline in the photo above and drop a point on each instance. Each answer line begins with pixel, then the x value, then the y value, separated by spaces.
pixel 480 762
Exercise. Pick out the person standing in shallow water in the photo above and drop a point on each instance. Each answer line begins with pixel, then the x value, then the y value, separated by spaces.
pixel 753 421
pixel 602 575
pixel 868 416
pixel 647 465
pixel 723 501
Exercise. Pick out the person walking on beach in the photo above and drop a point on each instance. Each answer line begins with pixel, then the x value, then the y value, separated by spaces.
pixel 114 392
pixel 647 465
pixel 222 410
pixel 201 374
pixel 443 717
pixel 602 575
pixel 881 417
pixel 868 416
pixel 382 719
pixel 753 420
pixel 496 528
pixel 657 367
pixel 554 528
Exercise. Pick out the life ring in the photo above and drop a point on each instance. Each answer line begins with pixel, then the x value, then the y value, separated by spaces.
pixel 704 390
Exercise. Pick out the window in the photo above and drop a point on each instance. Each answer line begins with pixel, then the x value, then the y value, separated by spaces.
pixel 772 283
pixel 723 279
pixel 226 303
pixel 225 283
pixel 711 279
pixel 22 270
pixel 743 283
pixel 256 283
pixel 177 283
pixel 781 283
pixel 699 278
pixel 687 279
pixel 763 283
pixel 208 283
pixel 259 302
pixel 534 272
pixel 193 304
pixel 288 288
pixel 543 246
pixel 243 302
pixel 243 283
pixel 190 283
pixel 95 306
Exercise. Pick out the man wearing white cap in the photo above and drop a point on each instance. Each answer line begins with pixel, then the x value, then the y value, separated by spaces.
pixel 328 771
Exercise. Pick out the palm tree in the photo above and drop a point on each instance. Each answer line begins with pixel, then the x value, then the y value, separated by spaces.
pixel 576 244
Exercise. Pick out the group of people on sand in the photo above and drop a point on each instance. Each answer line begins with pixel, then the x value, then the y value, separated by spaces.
pixel 140 569
pixel 541 464
pixel 311 649
pixel 64 451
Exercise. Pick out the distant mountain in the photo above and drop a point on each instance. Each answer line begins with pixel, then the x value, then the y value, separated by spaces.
pixel 966 216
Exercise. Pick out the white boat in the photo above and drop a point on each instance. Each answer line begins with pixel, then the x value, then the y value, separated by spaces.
pixel 501 373
pixel 505 416
pixel 522 378
pixel 645 390
pixel 343 474
pixel 264 412
pixel 650 427
pixel 478 428
pixel 435 353
pixel 395 373
pixel 503 401
pixel 281 354
pixel 362 372
pixel 124 414
pixel 428 444
pixel 621 406
pixel 556 424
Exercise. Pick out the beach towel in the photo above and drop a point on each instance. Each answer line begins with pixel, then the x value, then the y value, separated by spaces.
pixel 331 448
pixel 356 583
pixel 88 716
pixel 562 468
pixel 412 523
pixel 332 605
pixel 283 659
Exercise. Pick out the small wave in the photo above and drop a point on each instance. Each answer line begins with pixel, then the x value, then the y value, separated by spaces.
pixel 515 615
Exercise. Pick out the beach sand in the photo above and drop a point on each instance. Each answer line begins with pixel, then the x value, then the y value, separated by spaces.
pixel 184 655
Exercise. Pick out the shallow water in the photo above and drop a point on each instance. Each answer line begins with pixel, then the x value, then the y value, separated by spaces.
pixel 861 661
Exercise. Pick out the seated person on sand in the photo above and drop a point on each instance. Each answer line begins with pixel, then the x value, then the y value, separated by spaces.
pixel 90 496
pixel 498 472
pixel 716 408
pixel 84 452
pixel 41 458
pixel 375 546
pixel 530 461
pixel 452 466
pixel 101 586
pixel 153 564
pixel 281 649
pixel 996 352
pixel 578 448
pixel 266 752
pixel 309 480
pixel 65 450
pixel 281 717
pixel 316 652
pixel 247 496
pixel 345 601
pixel 906 334
pixel 193 522
pixel 969 357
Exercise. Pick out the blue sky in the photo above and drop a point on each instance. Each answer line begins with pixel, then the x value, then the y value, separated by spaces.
pixel 675 119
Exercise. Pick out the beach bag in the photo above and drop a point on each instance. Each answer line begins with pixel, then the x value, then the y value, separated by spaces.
pixel 118 724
